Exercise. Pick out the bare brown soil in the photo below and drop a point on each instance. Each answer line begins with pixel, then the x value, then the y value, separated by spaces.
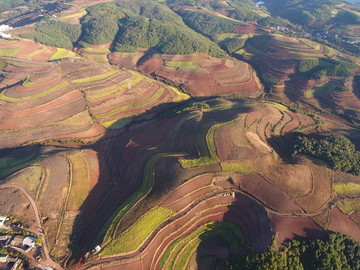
pixel 339 222
pixel 269 193
pixel 214 77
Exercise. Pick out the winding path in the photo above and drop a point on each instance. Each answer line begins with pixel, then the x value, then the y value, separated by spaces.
pixel 48 261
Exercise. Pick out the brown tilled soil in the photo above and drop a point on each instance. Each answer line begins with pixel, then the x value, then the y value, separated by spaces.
pixel 339 222
pixel 289 228
pixel 269 193
pixel 14 203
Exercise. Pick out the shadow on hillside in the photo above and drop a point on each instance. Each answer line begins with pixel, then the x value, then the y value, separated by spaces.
pixel 311 234
pixel 123 154
pixel 15 159
pixel 220 243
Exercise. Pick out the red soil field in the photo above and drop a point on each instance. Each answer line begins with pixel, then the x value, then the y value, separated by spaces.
pixel 269 193
pixel 38 86
pixel 90 134
pixel 339 222
pixel 216 76
pixel 289 228
pixel 43 108
pixel 245 29
pixel 44 56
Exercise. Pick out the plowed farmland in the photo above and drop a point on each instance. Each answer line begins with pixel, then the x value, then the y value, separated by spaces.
pixel 172 161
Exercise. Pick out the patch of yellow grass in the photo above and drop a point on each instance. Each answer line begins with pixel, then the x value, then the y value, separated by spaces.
pixel 63 53
pixel 349 206
pixel 10 51
pixel 346 189
pixel 97 58
pixel 116 123
pixel 180 96
pixel 98 50
pixel 95 78
pixel 35 96
pixel 280 107
pixel 80 184
pixel 239 167
pixel 29 178
pixel 309 93
pixel 79 14
pixel 134 236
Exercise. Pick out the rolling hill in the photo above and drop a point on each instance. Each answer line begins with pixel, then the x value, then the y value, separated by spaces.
pixel 181 134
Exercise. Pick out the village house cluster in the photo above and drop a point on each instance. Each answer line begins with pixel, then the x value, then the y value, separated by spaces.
pixel 15 240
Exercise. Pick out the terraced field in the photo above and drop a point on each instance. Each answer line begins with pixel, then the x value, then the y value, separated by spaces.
pixel 92 153
pixel 216 205
pixel 201 75
pixel 277 59
pixel 70 100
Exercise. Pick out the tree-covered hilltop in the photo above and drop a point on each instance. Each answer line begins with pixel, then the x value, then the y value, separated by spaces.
pixel 199 21
pixel 336 150
pixel 302 11
pixel 318 68
pixel 241 9
pixel 56 33
pixel 336 252
pixel 128 25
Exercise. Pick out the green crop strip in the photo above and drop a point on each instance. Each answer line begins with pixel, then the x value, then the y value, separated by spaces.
pixel 110 228
pixel 96 77
pixel 35 96
pixel 179 251
pixel 106 92
pixel 210 146
pixel 135 235
pixel 154 97
pixel 181 64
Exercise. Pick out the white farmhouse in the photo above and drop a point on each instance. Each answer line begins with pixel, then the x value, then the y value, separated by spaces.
pixel 3 35
pixel 5 27
pixel 29 241
pixel 2 220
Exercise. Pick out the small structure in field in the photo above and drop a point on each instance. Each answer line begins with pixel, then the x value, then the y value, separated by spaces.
pixel 5 27
pixel 17 241
pixel 3 220
pixel 96 249
pixel 5 240
pixel 29 242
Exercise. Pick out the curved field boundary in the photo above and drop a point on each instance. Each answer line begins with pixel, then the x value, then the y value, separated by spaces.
pixel 160 94
pixel 67 98
pixel 211 147
pixel 179 251
pixel 111 226
pixel 128 83
pixel 96 78
pixel 35 96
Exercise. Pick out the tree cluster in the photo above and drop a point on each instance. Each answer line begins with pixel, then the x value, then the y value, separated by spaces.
pixel 199 21
pixel 232 45
pixel 336 150
pixel 55 33
pixel 337 252
pixel 128 25
pixel 302 11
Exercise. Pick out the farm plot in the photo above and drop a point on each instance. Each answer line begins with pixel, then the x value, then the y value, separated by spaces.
pixel 14 203
pixel 321 192
pixel 30 178
pixel 269 194
pixel 52 195
pixel 201 75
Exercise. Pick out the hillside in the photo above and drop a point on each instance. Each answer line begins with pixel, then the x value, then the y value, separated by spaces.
pixel 180 134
